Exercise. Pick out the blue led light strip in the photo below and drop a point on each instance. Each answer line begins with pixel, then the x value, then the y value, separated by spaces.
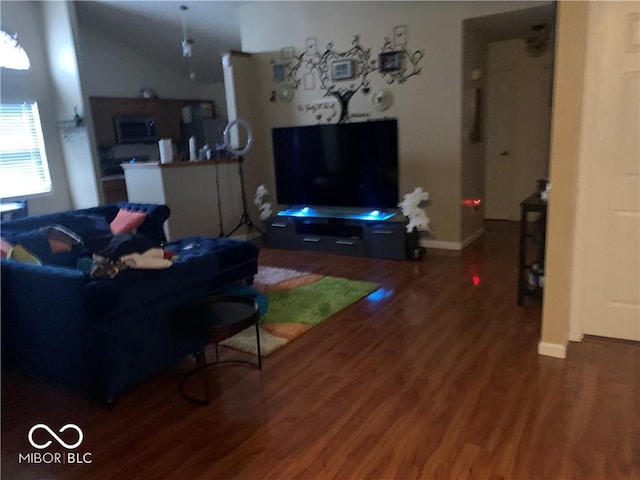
pixel 308 212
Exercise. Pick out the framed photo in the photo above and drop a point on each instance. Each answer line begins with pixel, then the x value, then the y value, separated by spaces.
pixel 399 36
pixel 342 70
pixel 308 81
pixel 278 73
pixel 389 61
pixel 310 46
pixel 286 53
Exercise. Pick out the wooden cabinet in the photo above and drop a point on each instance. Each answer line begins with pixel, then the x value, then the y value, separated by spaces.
pixel 166 112
pixel 114 190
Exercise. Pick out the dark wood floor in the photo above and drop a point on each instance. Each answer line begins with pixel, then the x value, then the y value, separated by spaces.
pixel 434 378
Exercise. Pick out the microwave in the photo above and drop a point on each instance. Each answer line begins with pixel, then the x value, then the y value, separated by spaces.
pixel 135 129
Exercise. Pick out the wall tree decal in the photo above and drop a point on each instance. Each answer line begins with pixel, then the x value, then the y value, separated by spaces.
pixel 363 65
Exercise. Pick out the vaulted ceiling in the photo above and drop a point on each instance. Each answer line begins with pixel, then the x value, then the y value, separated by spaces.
pixel 154 28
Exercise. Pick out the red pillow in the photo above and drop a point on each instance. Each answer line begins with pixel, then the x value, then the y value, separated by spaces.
pixel 5 248
pixel 127 221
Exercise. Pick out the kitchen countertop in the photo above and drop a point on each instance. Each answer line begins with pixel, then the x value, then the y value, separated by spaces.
pixel 179 164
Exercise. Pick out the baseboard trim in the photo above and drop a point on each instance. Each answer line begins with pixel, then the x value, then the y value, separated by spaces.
pixel 452 245
pixel 473 237
pixel 440 244
pixel 556 350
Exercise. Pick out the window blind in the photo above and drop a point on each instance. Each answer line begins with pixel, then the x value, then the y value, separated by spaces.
pixel 23 162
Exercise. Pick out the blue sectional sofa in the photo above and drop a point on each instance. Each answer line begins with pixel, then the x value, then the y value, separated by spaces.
pixel 104 335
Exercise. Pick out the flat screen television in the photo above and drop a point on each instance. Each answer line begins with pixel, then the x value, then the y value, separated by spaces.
pixel 341 165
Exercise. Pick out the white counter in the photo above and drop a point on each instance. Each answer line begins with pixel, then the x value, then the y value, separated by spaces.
pixel 189 189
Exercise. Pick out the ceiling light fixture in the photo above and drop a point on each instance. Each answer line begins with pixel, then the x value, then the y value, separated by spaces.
pixel 187 43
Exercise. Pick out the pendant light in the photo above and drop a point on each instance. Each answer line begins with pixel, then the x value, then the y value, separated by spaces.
pixel 187 43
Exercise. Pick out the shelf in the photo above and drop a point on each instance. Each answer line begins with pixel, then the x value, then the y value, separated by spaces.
pixel 532 234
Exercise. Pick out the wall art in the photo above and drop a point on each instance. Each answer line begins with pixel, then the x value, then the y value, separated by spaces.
pixel 310 46
pixel 308 81
pixel 278 73
pixel 389 62
pixel 399 36
pixel 332 67
pixel 342 70
pixel 408 64
pixel 286 53
pixel 328 110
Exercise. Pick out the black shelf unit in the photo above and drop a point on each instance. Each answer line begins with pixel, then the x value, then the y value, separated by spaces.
pixel 332 234
pixel 531 248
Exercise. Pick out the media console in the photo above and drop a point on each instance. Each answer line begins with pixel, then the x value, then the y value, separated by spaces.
pixel 366 234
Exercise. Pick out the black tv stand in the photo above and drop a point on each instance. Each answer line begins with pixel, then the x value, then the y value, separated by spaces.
pixel 343 231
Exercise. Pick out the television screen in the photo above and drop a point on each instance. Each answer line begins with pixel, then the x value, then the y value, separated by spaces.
pixel 342 165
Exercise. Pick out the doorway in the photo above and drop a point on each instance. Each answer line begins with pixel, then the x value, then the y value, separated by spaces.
pixel 513 152
pixel 518 125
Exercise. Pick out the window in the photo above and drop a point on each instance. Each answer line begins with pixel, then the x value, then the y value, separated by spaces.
pixel 23 162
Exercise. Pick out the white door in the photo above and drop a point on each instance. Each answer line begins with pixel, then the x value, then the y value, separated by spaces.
pixel 607 240
pixel 500 203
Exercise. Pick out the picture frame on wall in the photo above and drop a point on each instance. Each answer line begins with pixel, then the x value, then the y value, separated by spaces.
pixel 286 53
pixel 278 73
pixel 399 36
pixel 389 62
pixel 308 81
pixel 342 70
pixel 310 46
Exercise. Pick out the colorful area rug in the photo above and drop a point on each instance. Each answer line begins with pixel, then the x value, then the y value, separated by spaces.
pixel 297 302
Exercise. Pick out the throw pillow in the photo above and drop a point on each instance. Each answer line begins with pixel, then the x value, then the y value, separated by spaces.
pixel 127 221
pixel 21 254
pixel 61 239
pixel 33 241
pixel 5 248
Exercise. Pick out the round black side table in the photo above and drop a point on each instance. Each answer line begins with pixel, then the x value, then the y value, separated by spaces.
pixel 223 316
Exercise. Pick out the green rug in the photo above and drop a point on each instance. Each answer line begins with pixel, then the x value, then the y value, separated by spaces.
pixel 297 302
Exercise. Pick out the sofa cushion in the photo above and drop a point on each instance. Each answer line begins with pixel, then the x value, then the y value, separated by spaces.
pixel 21 254
pixel 197 260
pixel 32 240
pixel 227 252
pixel 85 225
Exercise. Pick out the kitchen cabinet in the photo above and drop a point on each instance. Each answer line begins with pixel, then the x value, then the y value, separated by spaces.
pixel 166 112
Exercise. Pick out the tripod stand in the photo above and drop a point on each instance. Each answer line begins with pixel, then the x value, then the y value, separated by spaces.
pixel 245 219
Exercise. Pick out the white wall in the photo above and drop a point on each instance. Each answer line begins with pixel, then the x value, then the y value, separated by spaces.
pixel 472 170
pixel 26 18
pixel 63 65
pixel 428 106
pixel 111 69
